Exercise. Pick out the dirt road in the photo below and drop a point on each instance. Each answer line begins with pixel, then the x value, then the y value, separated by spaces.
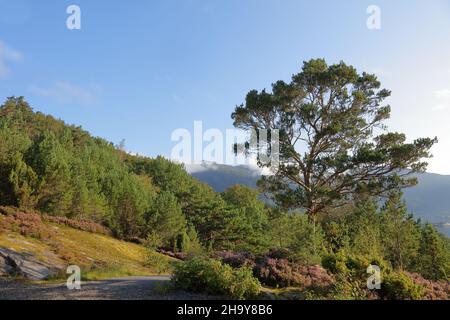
pixel 132 288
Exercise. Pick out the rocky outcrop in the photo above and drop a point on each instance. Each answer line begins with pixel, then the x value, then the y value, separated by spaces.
pixel 25 265
pixel 6 266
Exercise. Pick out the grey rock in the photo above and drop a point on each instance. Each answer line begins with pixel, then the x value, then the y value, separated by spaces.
pixel 23 264
pixel 6 266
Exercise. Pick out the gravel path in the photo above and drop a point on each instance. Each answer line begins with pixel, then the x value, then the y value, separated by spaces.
pixel 132 288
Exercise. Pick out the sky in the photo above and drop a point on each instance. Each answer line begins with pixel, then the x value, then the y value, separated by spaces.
pixel 138 70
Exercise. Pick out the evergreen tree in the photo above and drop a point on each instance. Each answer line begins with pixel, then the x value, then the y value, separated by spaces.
pixel 399 232
pixel 433 260
pixel 166 219
pixel 328 151
pixel 25 184
pixel 248 218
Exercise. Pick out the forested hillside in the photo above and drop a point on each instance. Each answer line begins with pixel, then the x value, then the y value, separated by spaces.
pixel 238 241
pixel 62 170
pixel 428 200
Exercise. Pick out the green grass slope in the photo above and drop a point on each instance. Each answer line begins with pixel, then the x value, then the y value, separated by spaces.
pixel 98 255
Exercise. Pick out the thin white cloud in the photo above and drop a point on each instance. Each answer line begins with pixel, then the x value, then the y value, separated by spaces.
pixel 443 98
pixel 7 55
pixel 442 94
pixel 441 107
pixel 64 92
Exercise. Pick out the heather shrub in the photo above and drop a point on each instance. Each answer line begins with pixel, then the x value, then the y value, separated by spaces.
pixel 8 211
pixel 277 273
pixel 316 277
pixel 280 253
pixel 283 273
pixel 31 223
pixel 236 260
pixel 432 290
pixel 26 223
pixel 277 268
pixel 212 277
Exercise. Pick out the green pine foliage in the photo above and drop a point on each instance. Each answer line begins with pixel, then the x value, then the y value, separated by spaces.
pixel 433 256
pixel 61 170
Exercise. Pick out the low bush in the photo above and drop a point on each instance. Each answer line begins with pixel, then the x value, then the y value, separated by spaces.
pixel 432 290
pixel 236 260
pixel 26 223
pixel 283 273
pixel 280 253
pixel 212 277
pixel 277 269
pixel 31 223
pixel 400 286
pixel 352 265
pixel 159 263
pixel 351 275
pixel 277 273
pixel 83 225
pixel 176 255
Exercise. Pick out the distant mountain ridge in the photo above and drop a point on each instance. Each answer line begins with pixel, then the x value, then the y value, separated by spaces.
pixel 429 200
pixel 221 176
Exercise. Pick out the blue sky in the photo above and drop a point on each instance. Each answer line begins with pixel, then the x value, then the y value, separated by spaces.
pixel 138 70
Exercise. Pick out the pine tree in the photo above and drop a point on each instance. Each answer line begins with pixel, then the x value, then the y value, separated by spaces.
pixel 399 232
pixel 25 183
pixel 433 260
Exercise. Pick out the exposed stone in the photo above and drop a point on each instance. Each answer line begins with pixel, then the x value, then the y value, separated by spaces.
pixel 6 266
pixel 23 264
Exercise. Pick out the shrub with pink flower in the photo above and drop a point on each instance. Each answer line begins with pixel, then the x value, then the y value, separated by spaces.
pixel 433 290
pixel 31 223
